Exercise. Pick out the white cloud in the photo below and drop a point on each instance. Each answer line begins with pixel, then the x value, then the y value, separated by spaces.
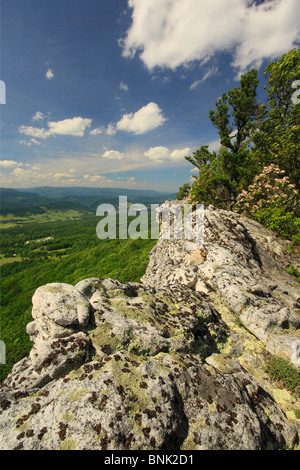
pixel 111 130
pixel 113 154
pixel 34 141
pixel 97 131
pixel 49 74
pixel 8 163
pixel 170 33
pixel 59 176
pixel 38 116
pixel 29 143
pixel 124 86
pixel 74 127
pixel 179 154
pixel 19 172
pixel 214 146
pixel 162 154
pixel 195 84
pixel 211 71
pixel 97 178
pixel 158 154
pixel 36 132
pixel 145 119
pixel 25 142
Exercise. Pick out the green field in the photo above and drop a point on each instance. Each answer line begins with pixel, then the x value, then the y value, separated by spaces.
pixel 11 220
pixel 36 253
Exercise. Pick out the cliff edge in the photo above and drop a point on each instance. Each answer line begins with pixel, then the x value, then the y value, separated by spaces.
pixel 175 362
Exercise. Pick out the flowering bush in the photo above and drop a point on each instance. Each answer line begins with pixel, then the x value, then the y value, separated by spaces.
pixel 272 200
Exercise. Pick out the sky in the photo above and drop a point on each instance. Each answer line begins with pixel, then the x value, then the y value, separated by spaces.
pixel 114 93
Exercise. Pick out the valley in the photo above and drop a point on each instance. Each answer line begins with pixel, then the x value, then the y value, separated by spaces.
pixel 45 246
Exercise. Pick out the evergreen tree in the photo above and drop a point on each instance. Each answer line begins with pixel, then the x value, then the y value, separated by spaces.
pixel 276 137
pixel 222 174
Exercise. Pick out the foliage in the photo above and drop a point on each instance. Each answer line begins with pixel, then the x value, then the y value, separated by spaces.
pixel 272 200
pixel 212 186
pixel 256 140
pixel 235 127
pixel 277 134
pixel 221 174
pixel 282 371
pixel 293 271
pixel 183 192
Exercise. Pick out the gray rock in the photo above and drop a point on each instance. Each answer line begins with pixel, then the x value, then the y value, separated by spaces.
pixel 241 262
pixel 62 304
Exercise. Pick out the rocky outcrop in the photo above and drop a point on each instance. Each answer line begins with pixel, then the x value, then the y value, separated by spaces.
pixel 243 264
pixel 176 362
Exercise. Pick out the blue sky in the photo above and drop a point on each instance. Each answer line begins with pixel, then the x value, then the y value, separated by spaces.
pixel 114 93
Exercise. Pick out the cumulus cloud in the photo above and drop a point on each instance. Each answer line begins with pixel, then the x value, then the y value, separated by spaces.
pixel 170 33
pixel 110 130
pixel 75 127
pixel 113 154
pixel 36 132
pixel 162 154
pixel 49 74
pixel 8 163
pixel 97 131
pixel 19 172
pixel 145 119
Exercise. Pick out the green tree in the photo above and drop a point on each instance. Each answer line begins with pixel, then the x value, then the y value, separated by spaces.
pixel 235 127
pixel 276 137
pixel 211 185
pixel 222 174
pixel 183 191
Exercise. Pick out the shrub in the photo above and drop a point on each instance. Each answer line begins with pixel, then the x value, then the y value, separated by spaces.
pixel 273 201
pixel 284 373
pixel 293 272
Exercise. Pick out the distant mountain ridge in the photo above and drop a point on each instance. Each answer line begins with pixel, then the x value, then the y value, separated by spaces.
pixel 76 197
pixel 51 191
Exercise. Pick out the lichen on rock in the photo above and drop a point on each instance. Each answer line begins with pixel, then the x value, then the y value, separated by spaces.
pixel 175 362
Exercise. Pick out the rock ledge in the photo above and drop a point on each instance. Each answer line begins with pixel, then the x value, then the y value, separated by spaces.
pixel 176 362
